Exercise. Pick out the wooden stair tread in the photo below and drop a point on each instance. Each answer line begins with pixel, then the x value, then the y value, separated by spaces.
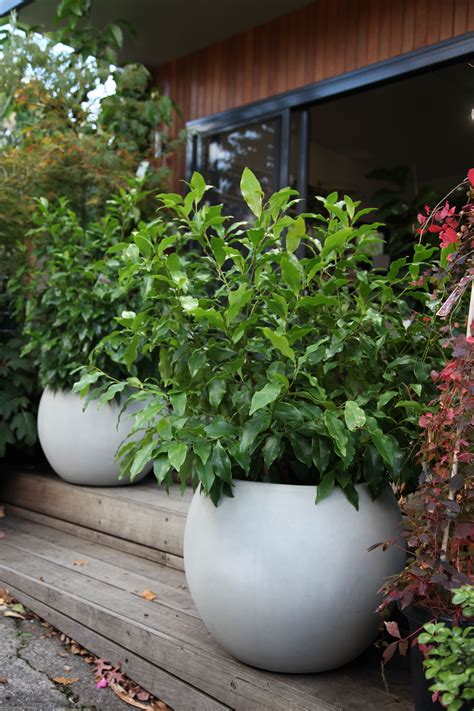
pixel 142 514
pixel 167 648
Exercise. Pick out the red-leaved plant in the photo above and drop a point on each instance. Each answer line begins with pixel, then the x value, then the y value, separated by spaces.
pixel 439 530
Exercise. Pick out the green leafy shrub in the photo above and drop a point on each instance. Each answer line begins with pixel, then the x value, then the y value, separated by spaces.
pixel 449 660
pixel 276 368
pixel 66 290
pixel 18 396
pixel 62 137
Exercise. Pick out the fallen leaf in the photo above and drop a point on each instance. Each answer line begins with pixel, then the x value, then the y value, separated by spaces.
pixel 149 594
pixel 65 680
pixel 6 596
pixel 157 705
pixel 80 562
pixel 62 654
pixel 3 679
pixel 10 613
pixel 18 607
pixel 2 534
pixel 2 511
pixel 102 665
pixel 125 696
pixel 142 695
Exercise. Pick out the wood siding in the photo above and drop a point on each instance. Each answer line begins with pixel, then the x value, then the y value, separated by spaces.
pixel 322 40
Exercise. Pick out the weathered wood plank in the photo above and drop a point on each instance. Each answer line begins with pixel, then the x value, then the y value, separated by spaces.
pixel 153 523
pixel 136 552
pixel 180 645
pixel 31 538
pixel 217 677
pixel 164 686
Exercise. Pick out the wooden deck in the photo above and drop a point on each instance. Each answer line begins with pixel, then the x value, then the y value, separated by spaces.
pixel 81 557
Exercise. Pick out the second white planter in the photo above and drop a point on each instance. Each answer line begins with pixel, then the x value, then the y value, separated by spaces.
pixel 287 585
pixel 81 445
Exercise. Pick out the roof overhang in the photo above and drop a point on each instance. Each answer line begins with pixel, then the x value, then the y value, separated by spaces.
pixel 167 29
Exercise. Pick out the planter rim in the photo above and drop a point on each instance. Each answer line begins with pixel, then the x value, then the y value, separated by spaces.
pixel 67 392
pixel 302 487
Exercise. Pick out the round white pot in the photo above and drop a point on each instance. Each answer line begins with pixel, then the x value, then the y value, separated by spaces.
pixel 81 445
pixel 287 585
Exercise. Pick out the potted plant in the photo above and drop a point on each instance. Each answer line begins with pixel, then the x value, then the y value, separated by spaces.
pixel 66 297
pixel 292 387
pixel 439 529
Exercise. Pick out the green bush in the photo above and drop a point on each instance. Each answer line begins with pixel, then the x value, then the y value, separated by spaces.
pixel 449 659
pixel 66 291
pixel 306 370
pixel 60 137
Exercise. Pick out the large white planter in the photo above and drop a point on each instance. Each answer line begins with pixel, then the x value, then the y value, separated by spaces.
pixel 81 445
pixel 287 585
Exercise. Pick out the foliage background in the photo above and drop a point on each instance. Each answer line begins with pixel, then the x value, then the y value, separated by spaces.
pixel 62 137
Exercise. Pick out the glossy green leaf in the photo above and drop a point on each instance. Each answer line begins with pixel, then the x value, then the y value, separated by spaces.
pixel 336 431
pixel 336 242
pixel 294 234
pixel 161 467
pixel 221 463
pixel 321 453
pixel 144 245
pixel 353 415
pixel 272 449
pixel 178 402
pixel 265 396
pixel 291 272
pixel 251 191
pixel 217 389
pixel 279 342
pixel 238 299
pixel 177 454
pixel 252 428
pixel 325 486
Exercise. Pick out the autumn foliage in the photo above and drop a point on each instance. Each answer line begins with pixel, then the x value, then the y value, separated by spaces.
pixel 439 531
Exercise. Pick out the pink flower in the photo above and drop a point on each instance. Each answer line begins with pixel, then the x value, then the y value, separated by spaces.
pixel 470 176
pixel 101 684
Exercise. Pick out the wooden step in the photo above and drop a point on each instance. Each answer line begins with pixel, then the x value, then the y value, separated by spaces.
pixel 92 592
pixel 141 519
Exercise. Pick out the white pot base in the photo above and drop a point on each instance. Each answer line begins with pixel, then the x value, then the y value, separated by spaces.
pixel 80 445
pixel 284 584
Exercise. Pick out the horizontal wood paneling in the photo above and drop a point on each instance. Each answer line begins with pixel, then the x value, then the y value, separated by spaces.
pixel 322 40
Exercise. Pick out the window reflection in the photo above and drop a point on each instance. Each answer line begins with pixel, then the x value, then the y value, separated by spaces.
pixel 226 155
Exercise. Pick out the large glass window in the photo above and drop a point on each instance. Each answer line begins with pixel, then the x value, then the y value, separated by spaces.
pixel 396 146
pixel 226 154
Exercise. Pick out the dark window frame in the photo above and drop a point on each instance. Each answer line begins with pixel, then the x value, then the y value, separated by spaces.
pixel 283 106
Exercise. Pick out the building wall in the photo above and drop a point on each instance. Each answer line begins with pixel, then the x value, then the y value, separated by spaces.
pixel 322 40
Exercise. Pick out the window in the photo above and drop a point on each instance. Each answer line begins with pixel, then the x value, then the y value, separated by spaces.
pixel 227 153
pixel 386 135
